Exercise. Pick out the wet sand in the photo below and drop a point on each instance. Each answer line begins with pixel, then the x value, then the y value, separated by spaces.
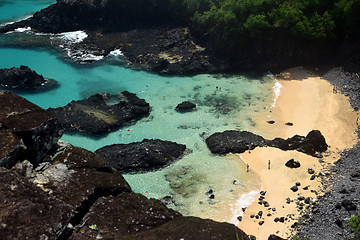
pixel 309 103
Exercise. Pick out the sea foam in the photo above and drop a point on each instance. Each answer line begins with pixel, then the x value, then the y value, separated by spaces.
pixel 243 202
pixel 276 92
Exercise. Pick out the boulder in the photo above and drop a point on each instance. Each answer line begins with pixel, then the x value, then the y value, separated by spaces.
pixel 98 114
pixel 233 141
pixel 27 212
pixel 125 214
pixel 348 205
pixel 11 148
pixel 292 163
pixel 38 129
pixel 148 154
pixel 24 78
pixel 190 228
pixel 185 107
pixel 75 175
pixel 274 237
pixel 313 142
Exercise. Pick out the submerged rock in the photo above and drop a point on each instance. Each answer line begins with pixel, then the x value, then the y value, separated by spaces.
pixel 24 78
pixel 185 107
pixel 97 114
pixel 148 154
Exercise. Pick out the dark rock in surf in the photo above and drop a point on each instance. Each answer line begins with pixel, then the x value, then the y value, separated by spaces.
pixel 145 155
pixel 24 78
pixel 233 141
pixel 98 115
pixel 185 107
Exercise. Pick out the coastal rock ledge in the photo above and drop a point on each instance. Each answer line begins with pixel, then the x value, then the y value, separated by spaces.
pixel 101 113
pixel 241 141
pixel 145 155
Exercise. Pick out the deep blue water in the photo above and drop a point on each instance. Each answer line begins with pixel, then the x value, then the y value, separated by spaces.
pixel 223 103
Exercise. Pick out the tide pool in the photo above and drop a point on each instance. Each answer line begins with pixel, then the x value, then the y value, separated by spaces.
pixel 223 103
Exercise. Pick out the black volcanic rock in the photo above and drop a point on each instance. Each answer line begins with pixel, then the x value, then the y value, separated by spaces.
pixel 185 107
pixel 292 163
pixel 24 78
pixel 76 175
pixel 27 212
pixel 148 154
pixel 233 141
pixel 38 130
pixel 97 114
pixel 190 228
pixel 240 141
pixel 117 216
pixel 11 148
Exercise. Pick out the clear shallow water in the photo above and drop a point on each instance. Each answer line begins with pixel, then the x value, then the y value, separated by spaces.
pixel 223 103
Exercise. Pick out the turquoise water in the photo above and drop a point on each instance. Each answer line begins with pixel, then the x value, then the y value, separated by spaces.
pixel 15 10
pixel 223 103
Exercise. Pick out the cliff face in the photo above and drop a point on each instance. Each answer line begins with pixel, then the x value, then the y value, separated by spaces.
pixel 53 190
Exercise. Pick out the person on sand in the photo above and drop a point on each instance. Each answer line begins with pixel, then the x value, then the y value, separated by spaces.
pixel 269 164
pixel 249 148
pixel 247 167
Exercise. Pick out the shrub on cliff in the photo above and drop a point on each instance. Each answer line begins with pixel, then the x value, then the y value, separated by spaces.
pixel 355 224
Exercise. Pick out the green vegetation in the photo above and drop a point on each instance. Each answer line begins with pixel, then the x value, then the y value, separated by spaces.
pixel 316 21
pixel 355 224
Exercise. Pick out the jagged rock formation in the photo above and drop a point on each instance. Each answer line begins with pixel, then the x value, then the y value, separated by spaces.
pixel 72 193
pixel 240 141
pixel 27 131
pixel 24 78
pixel 145 155
pixel 97 114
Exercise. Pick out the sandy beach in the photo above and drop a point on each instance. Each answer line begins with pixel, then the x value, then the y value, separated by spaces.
pixel 309 103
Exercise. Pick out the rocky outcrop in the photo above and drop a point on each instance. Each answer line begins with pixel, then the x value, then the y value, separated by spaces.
pixel 11 148
pixel 98 114
pixel 24 78
pixel 239 141
pixel 191 228
pixel 145 155
pixel 234 141
pixel 185 106
pixel 27 212
pixel 38 130
pixel 104 213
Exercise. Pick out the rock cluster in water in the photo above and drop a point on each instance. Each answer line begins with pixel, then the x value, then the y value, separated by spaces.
pixel 240 141
pixel 53 190
pixel 148 154
pixel 101 113
pixel 23 78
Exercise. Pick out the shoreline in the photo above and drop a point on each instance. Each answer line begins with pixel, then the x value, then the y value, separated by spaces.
pixel 309 103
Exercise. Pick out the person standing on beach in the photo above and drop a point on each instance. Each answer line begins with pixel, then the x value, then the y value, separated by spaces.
pixel 247 167
pixel 269 164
